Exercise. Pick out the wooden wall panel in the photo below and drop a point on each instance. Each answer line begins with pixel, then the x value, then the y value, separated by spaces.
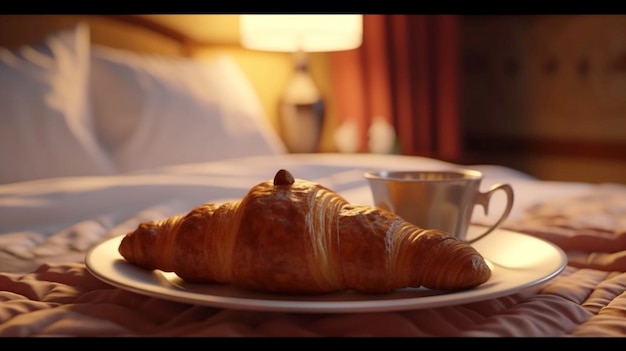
pixel 546 86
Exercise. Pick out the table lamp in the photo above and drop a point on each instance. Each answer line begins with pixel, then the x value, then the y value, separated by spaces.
pixel 302 109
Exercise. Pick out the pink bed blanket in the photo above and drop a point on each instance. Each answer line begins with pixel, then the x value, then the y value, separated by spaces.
pixel 588 298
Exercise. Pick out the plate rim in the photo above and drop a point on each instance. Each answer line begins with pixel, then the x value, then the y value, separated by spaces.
pixel 303 304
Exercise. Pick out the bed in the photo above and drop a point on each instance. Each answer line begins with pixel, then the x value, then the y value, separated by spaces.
pixel 95 140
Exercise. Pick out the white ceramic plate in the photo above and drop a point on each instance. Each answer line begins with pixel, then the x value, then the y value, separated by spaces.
pixel 518 262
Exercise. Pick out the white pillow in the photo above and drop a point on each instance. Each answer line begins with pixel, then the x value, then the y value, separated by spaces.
pixel 46 128
pixel 154 111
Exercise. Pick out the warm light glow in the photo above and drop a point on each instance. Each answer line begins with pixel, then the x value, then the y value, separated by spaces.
pixel 308 33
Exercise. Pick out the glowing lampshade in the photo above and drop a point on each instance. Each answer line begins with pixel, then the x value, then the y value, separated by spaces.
pixel 310 33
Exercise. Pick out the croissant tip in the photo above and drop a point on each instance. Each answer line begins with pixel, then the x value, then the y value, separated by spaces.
pixel 283 177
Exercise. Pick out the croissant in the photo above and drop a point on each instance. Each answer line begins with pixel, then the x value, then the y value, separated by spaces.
pixel 293 236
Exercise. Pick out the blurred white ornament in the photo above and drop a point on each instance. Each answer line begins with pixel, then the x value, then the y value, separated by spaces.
pixel 381 136
pixel 346 137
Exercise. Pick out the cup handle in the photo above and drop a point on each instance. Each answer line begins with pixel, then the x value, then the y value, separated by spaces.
pixel 483 200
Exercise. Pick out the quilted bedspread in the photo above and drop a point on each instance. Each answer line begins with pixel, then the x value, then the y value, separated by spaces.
pixel 43 293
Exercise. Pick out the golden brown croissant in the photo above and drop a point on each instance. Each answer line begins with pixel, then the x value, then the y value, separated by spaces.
pixel 294 236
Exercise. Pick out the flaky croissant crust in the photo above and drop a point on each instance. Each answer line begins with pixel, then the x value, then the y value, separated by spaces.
pixel 293 236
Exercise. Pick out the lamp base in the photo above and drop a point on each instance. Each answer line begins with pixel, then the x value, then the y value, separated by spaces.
pixel 301 125
pixel 301 110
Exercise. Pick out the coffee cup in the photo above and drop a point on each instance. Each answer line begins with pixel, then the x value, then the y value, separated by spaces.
pixel 437 199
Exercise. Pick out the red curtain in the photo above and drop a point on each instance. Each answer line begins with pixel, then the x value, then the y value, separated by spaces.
pixel 407 71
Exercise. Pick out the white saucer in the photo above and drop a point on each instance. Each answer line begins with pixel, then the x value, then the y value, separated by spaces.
pixel 518 262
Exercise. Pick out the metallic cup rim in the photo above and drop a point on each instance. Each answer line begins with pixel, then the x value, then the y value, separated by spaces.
pixel 424 175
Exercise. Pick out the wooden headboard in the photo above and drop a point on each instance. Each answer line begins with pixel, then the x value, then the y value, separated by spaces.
pixel 123 32
pixel 193 36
